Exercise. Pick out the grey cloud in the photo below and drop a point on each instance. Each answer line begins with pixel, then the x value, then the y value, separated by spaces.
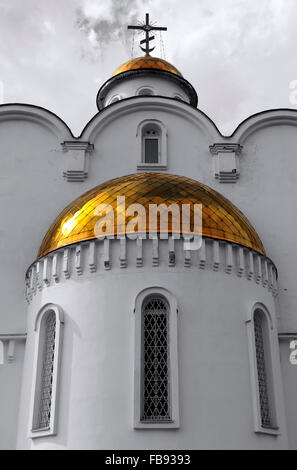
pixel 123 12
pixel 240 56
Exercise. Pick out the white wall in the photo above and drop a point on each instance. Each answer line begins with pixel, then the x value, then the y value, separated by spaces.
pixel 33 191
pixel 130 86
pixel 10 385
pixel 96 390
pixel 290 386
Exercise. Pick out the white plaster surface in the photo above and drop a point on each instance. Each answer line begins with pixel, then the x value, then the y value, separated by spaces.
pixel 212 337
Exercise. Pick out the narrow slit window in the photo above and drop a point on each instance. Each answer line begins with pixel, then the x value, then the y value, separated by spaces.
pixel 155 361
pixel 151 146
pixel 265 385
pixel 46 373
pixel 151 150
pixel 48 327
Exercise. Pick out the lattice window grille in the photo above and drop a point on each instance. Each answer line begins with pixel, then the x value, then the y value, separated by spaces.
pixel 47 370
pixel 262 373
pixel 155 361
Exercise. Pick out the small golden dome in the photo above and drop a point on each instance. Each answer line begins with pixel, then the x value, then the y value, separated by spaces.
pixel 220 218
pixel 147 62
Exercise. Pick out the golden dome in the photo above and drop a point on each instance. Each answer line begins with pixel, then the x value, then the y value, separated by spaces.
pixel 220 218
pixel 147 62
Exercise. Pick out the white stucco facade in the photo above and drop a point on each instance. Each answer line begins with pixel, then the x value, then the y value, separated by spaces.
pixel 138 85
pixel 44 168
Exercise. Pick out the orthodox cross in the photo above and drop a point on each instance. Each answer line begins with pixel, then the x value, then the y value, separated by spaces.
pixel 147 28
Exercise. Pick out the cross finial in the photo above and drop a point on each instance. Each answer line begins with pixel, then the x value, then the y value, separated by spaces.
pixel 147 28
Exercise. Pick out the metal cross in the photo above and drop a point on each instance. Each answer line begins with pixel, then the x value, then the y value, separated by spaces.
pixel 147 28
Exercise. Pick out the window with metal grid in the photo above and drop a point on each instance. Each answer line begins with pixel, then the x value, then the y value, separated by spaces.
pixel 265 411
pixel 155 373
pixel 47 369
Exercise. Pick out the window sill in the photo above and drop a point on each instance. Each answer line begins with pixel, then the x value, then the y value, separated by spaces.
pixel 273 431
pixel 42 432
pixel 154 425
pixel 151 166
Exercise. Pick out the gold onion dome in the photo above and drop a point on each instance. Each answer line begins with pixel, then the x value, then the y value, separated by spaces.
pixel 220 218
pixel 147 62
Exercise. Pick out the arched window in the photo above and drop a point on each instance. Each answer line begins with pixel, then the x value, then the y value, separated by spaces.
pixel 156 368
pixel 46 372
pixel 151 136
pixel 48 327
pixel 145 91
pixel 178 97
pixel 263 366
pixel 262 347
pixel 152 140
pixel 114 99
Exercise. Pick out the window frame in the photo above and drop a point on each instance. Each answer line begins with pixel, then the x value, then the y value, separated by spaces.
pixel 156 137
pixel 269 350
pixel 165 304
pixel 114 99
pixel 172 360
pixel 139 91
pixel 180 97
pixel 162 145
pixel 38 357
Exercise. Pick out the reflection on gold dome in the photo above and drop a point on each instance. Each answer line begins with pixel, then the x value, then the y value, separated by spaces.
pixel 147 62
pixel 220 218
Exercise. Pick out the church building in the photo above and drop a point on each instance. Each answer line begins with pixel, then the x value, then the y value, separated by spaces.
pixel 138 338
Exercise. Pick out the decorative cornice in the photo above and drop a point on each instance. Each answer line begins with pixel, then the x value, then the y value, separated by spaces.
pixel 77 159
pixel 81 260
pixel 225 147
pixel 225 161
pixel 11 338
pixel 287 336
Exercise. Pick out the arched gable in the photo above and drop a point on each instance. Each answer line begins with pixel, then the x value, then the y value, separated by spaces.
pixel 269 118
pixel 38 115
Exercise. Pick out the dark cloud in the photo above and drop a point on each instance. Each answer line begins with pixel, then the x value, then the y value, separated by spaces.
pixel 113 26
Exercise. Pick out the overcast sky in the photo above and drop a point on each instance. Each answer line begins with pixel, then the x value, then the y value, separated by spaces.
pixel 240 55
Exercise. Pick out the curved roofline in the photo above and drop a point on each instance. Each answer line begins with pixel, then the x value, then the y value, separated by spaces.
pixel 273 116
pixel 114 109
pixel 37 114
pixel 140 61
pixel 266 118
pixel 106 87
pixel 76 223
